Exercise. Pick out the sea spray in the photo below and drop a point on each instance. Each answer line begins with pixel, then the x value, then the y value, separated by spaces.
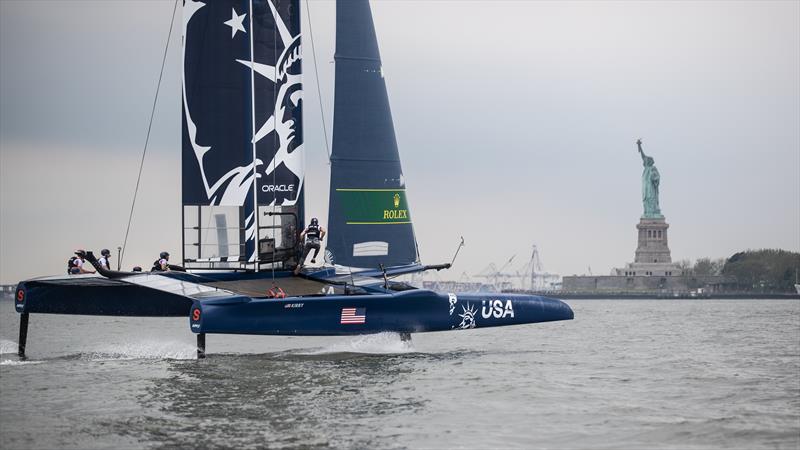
pixel 377 344
pixel 7 346
pixel 17 362
pixel 145 350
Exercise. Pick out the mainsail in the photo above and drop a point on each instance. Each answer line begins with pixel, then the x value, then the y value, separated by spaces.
pixel 242 130
pixel 369 219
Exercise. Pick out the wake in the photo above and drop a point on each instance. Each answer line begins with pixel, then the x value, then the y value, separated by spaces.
pixel 144 350
pixel 372 344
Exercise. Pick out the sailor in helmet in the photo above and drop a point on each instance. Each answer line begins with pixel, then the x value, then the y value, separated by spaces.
pixel 76 263
pixel 162 263
pixel 313 234
pixel 104 259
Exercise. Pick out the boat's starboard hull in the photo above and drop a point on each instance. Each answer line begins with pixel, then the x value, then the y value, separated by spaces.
pixel 404 312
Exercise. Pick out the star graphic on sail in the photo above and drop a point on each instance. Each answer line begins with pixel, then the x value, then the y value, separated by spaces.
pixel 232 187
pixel 236 23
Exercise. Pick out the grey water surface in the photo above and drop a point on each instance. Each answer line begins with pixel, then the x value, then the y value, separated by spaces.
pixel 623 374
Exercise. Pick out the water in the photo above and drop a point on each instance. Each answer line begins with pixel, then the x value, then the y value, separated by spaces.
pixel 624 374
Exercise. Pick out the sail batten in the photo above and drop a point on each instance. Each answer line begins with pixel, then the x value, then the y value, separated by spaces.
pixel 369 218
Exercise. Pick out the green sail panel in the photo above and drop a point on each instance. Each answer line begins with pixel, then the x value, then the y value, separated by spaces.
pixel 374 206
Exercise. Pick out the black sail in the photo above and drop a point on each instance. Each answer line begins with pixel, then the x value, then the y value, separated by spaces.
pixel 369 218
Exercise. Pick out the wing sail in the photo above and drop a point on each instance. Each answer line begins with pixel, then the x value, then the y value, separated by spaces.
pixel 242 133
pixel 369 216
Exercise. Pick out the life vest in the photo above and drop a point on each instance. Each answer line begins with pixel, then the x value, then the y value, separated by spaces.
pixel 157 266
pixel 71 264
pixel 313 232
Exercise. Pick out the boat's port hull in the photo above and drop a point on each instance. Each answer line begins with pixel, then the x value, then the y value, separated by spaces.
pixel 95 296
pixel 404 312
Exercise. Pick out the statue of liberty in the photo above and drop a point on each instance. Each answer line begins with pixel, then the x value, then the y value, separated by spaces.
pixel 650 181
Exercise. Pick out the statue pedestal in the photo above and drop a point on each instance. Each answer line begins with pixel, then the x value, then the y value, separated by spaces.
pixel 653 257
pixel 653 245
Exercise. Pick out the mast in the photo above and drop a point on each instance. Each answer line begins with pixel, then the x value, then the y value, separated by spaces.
pixel 254 256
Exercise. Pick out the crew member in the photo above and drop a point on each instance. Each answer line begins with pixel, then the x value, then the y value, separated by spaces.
pixel 103 261
pixel 162 263
pixel 313 234
pixel 77 263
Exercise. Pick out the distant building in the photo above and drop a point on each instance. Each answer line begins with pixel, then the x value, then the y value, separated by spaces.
pixel 459 286
pixel 7 290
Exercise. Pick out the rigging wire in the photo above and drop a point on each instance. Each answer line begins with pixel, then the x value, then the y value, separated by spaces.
pixel 274 142
pixel 316 78
pixel 149 127
pixel 256 220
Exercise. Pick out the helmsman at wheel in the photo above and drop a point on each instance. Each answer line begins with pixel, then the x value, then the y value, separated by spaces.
pixel 313 234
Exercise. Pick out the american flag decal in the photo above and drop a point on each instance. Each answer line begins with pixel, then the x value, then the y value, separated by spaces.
pixel 354 315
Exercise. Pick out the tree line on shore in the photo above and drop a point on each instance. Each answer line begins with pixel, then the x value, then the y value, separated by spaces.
pixel 751 270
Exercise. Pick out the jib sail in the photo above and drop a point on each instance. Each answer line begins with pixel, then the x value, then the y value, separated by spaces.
pixel 369 217
pixel 243 167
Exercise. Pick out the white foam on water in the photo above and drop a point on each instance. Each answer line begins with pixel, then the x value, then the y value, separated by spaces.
pixel 16 362
pixel 145 350
pixel 378 344
pixel 7 346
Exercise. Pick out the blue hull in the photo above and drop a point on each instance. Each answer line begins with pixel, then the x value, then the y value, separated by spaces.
pixel 404 312
pixel 93 296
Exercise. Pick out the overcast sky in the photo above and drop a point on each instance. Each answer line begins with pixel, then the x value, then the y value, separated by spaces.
pixel 516 123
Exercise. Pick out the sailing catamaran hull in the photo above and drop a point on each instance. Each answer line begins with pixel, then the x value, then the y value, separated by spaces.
pixel 96 296
pixel 404 312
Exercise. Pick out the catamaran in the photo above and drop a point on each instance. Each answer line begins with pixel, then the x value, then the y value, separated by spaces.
pixel 243 199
